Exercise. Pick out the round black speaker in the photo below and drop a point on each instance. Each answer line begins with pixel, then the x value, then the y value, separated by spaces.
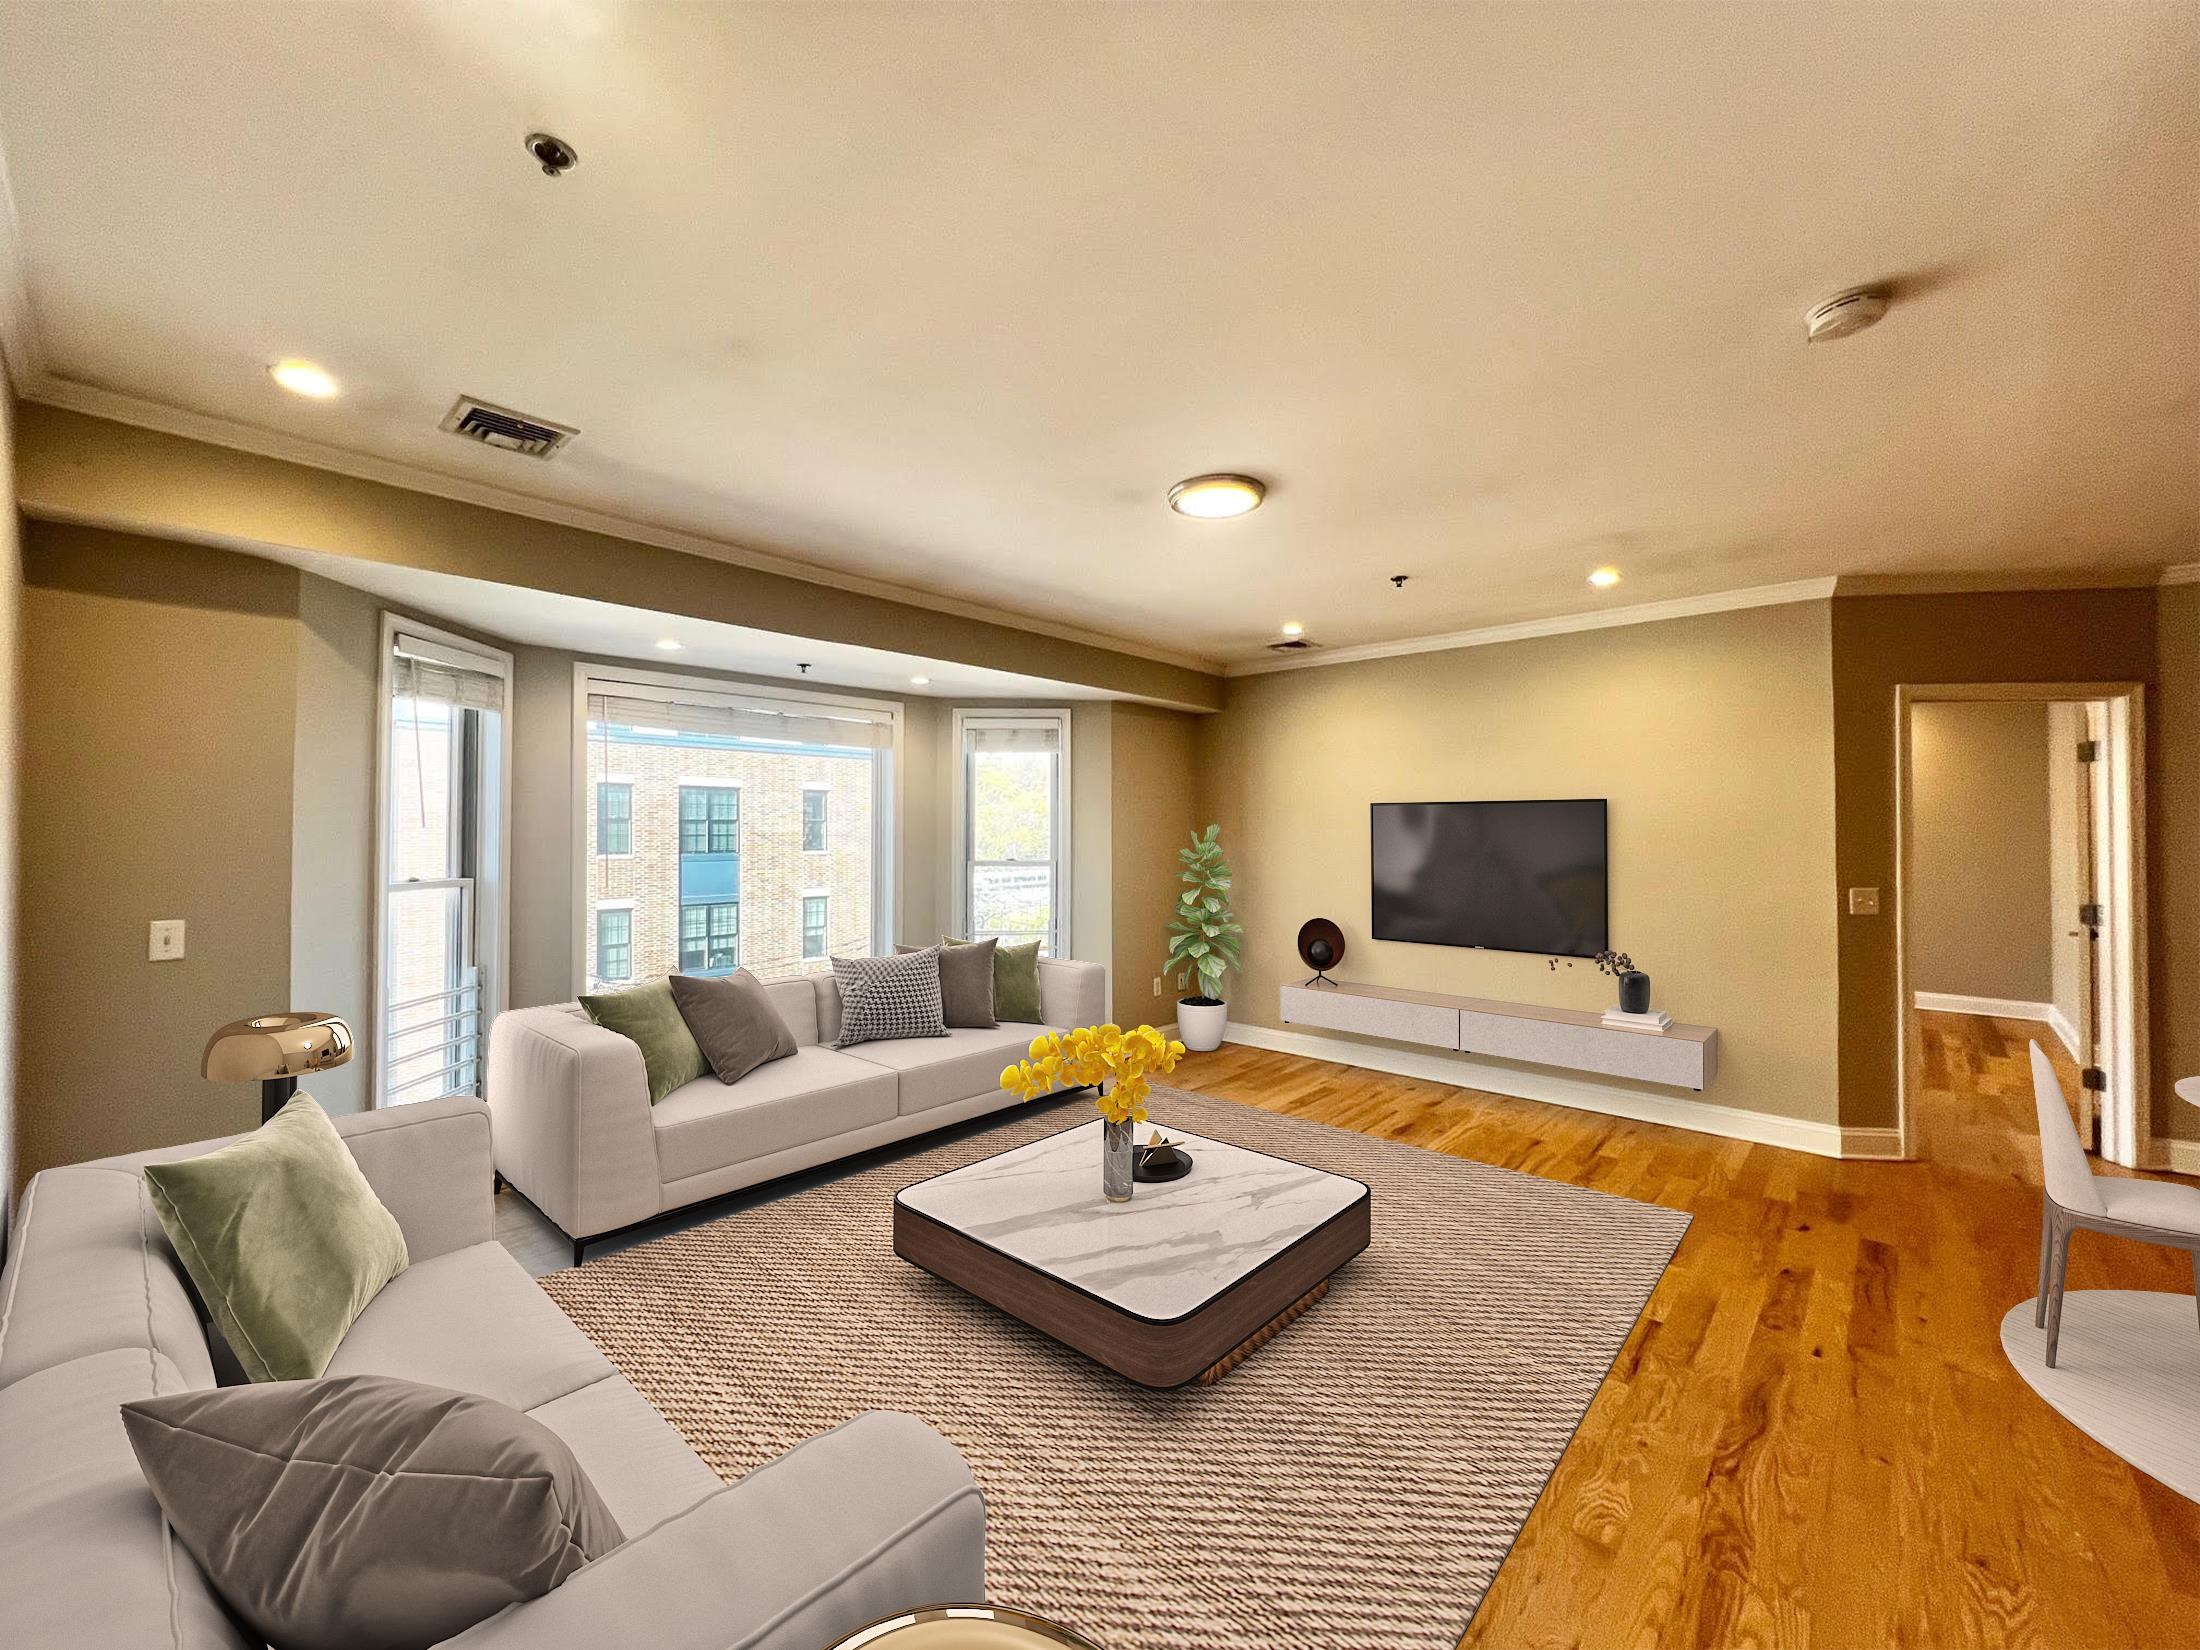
pixel 1321 947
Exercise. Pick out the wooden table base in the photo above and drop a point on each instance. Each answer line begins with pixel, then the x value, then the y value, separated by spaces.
pixel 1261 1336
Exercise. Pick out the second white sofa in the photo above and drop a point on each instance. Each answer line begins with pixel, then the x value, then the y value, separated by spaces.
pixel 576 1134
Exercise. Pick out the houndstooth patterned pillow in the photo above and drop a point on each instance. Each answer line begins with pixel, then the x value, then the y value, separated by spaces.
pixel 883 997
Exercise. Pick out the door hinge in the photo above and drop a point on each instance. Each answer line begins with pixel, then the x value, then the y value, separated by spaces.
pixel 2089 750
pixel 2089 915
pixel 2094 1078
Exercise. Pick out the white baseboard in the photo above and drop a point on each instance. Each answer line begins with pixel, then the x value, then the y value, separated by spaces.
pixel 2059 1023
pixel 1464 1071
pixel 2178 1156
pixel 1999 1008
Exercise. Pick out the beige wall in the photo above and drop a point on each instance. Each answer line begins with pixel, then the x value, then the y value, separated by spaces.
pixel 2067 851
pixel 1710 736
pixel 332 898
pixel 11 601
pixel 1880 642
pixel 159 710
pixel 1981 906
pixel 2173 859
pixel 78 468
pixel 1156 808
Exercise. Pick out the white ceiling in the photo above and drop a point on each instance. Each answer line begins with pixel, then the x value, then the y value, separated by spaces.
pixel 947 296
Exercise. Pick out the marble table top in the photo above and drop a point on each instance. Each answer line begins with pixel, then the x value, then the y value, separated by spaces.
pixel 1168 1251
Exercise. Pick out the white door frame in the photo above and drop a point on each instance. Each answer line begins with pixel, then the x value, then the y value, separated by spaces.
pixel 2127 1134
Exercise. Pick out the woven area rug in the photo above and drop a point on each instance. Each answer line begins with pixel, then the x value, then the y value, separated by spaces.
pixel 1353 1485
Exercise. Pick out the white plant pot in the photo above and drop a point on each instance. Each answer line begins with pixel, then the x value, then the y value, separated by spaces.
pixel 1199 1025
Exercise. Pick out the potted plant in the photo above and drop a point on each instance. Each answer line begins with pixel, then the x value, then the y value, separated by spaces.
pixel 1203 940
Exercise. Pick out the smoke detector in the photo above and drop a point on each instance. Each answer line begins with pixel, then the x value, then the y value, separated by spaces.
pixel 1294 644
pixel 1844 313
pixel 515 432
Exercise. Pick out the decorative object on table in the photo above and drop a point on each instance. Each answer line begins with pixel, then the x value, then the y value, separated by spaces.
pixel 275 1049
pixel 1118 1066
pixel 1321 948
pixel 1634 984
pixel 284 1238
pixel 1160 1161
pixel 1203 940
pixel 367 1509
pixel 963 1627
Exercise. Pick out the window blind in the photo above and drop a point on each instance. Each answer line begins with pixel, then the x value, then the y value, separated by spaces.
pixel 443 680
pixel 988 738
pixel 811 725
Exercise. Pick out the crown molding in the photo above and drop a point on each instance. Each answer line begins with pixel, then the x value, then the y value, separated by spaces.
pixel 2183 573
pixel 1610 618
pixel 95 402
pixel 2000 582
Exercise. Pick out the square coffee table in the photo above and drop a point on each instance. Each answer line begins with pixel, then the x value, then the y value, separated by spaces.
pixel 1180 1283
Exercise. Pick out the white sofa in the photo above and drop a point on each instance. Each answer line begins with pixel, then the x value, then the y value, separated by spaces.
pixel 95 1312
pixel 576 1134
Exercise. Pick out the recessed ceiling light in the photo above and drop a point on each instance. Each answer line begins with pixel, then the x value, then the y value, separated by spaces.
pixel 1604 577
pixel 304 378
pixel 1216 497
pixel 1292 627
pixel 668 645
pixel 920 681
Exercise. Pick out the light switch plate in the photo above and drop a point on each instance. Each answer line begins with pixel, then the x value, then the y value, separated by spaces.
pixel 1863 902
pixel 165 942
pixel 1160 986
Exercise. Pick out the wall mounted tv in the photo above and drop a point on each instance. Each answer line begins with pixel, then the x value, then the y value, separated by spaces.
pixel 1499 876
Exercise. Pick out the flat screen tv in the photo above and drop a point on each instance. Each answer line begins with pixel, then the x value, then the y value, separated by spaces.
pixel 1501 876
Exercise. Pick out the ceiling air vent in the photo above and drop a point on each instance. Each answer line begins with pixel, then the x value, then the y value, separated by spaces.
pixel 495 426
pixel 1293 644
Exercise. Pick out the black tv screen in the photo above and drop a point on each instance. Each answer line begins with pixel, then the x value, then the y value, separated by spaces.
pixel 1502 876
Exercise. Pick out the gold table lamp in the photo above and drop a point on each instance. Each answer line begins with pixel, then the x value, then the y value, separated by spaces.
pixel 276 1049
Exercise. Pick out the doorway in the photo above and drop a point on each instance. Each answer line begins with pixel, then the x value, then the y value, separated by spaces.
pixel 2020 911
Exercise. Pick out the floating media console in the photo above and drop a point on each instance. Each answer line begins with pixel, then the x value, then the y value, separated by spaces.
pixel 1684 1057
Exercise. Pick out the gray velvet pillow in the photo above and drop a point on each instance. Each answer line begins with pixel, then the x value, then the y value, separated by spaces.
pixel 367 1513
pixel 966 983
pixel 736 1024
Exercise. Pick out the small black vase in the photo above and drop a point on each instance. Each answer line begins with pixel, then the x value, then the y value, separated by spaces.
pixel 1634 992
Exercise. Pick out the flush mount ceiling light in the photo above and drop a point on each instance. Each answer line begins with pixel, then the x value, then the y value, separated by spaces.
pixel 304 378
pixel 1292 627
pixel 1604 577
pixel 920 681
pixel 668 645
pixel 1216 497
pixel 1844 313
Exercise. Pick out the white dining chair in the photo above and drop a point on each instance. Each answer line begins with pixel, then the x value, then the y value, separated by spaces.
pixel 2150 1211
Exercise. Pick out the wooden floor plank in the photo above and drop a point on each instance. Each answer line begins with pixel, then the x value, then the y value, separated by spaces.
pixel 1813 1438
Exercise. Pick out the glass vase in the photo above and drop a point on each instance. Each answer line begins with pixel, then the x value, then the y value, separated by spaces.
pixel 1117 1154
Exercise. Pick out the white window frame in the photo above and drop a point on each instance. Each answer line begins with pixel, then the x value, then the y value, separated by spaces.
pixel 493 888
pixel 801 928
pixel 1057 718
pixel 631 783
pixel 826 787
pixel 595 938
pixel 686 688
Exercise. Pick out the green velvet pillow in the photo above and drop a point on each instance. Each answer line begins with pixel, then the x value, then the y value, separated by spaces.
pixel 647 1015
pixel 284 1238
pixel 1015 981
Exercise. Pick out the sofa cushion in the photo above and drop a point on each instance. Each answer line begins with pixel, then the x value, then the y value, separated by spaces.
pixel 644 1471
pixel 735 1022
pixel 796 1000
pixel 284 1238
pixel 813 1094
pixel 1015 981
pixel 474 1320
pixel 85 1557
pixel 92 1271
pixel 933 1071
pixel 647 1017
pixel 367 1513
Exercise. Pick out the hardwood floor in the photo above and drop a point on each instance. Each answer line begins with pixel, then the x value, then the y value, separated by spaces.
pixel 1813 1438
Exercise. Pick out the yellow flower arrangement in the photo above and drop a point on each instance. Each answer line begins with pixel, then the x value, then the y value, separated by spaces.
pixel 1118 1064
